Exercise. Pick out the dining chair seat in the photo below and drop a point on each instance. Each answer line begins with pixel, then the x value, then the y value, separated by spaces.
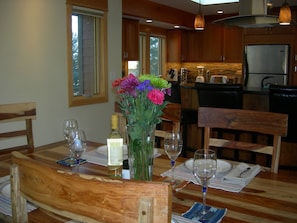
pixel 83 197
pixel 260 122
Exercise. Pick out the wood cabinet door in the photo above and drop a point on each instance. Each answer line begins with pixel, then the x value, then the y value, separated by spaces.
pixel 193 50
pixel 130 40
pixel 233 45
pixel 174 41
pixel 213 43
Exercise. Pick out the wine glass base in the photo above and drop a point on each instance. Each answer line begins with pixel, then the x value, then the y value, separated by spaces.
pixel 175 183
pixel 71 162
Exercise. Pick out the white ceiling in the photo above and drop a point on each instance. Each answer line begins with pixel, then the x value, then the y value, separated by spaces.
pixel 192 7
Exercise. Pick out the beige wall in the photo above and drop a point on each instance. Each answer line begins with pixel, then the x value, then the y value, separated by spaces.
pixel 33 66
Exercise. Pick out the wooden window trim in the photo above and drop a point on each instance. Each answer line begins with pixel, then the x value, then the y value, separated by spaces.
pixel 103 77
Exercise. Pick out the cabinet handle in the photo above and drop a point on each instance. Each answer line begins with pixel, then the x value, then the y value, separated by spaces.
pixel 125 55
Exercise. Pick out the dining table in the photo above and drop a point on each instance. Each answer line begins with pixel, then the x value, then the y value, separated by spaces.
pixel 269 197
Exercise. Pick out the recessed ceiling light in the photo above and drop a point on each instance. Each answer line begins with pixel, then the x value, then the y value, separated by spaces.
pixel 220 11
pixel 149 21
pixel 213 2
pixel 176 27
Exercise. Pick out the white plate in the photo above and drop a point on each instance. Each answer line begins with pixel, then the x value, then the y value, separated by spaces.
pixel 222 166
pixel 5 190
pixel 102 150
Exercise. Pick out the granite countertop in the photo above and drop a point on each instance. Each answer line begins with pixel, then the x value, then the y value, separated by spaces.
pixel 246 90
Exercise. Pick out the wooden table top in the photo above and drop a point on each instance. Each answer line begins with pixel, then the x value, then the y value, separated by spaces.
pixel 267 198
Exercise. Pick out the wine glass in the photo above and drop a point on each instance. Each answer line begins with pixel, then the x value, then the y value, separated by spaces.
pixel 204 168
pixel 173 144
pixel 68 125
pixel 78 144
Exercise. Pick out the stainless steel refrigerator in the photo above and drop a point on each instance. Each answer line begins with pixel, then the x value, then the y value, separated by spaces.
pixel 265 65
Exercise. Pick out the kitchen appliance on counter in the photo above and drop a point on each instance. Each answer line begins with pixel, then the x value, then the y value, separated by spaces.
pixel 183 75
pixel 265 65
pixel 218 79
pixel 201 77
pixel 172 75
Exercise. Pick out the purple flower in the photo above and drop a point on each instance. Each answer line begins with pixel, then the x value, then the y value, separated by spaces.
pixel 145 85
pixel 129 84
pixel 168 91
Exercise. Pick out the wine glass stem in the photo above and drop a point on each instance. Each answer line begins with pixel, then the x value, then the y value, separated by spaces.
pixel 204 192
pixel 172 169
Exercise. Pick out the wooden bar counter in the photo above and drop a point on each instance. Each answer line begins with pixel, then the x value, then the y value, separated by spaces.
pixel 253 99
pixel 267 198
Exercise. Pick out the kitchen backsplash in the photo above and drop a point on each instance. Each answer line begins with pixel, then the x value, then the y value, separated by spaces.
pixel 232 70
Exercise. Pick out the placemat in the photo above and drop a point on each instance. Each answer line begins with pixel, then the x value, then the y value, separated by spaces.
pixel 5 201
pixel 183 173
pixel 213 215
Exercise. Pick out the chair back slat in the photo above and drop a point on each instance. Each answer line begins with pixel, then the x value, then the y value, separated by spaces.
pixel 240 119
pixel 269 123
pixel 18 112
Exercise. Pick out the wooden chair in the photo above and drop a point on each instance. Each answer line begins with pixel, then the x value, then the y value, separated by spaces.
pixel 172 116
pixel 20 112
pixel 85 198
pixel 274 124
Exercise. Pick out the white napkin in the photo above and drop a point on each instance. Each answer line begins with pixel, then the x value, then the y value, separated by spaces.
pixel 180 219
pixel 101 159
pixel 241 174
pixel 181 172
pixel 94 157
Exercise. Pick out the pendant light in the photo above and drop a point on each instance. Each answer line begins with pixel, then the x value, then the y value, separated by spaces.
pixel 285 14
pixel 199 22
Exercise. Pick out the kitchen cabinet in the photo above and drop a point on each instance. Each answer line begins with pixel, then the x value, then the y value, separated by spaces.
pixel 175 45
pixel 193 46
pixel 258 102
pixel 130 40
pixel 222 44
pixel 214 44
pixel 233 44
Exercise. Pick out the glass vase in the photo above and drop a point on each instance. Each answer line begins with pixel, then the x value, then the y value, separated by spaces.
pixel 141 151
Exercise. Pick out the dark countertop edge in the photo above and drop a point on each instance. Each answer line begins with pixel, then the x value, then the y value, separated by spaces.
pixel 246 90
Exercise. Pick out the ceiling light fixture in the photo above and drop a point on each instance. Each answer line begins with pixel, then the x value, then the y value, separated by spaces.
pixel 199 22
pixel 285 15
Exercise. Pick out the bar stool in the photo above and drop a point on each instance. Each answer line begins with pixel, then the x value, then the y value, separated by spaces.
pixel 220 95
pixel 188 116
pixel 283 99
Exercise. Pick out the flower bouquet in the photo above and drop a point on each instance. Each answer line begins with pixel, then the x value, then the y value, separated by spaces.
pixel 141 101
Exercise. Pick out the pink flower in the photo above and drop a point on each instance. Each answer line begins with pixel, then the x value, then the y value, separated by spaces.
pixel 156 96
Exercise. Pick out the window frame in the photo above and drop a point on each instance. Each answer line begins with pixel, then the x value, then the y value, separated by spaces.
pixel 102 95
pixel 144 48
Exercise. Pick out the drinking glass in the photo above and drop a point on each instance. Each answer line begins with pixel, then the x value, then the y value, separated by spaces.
pixel 204 168
pixel 78 144
pixel 68 125
pixel 173 144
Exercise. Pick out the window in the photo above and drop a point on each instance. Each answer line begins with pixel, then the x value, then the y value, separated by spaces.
pixel 87 73
pixel 152 53
pixel 157 55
